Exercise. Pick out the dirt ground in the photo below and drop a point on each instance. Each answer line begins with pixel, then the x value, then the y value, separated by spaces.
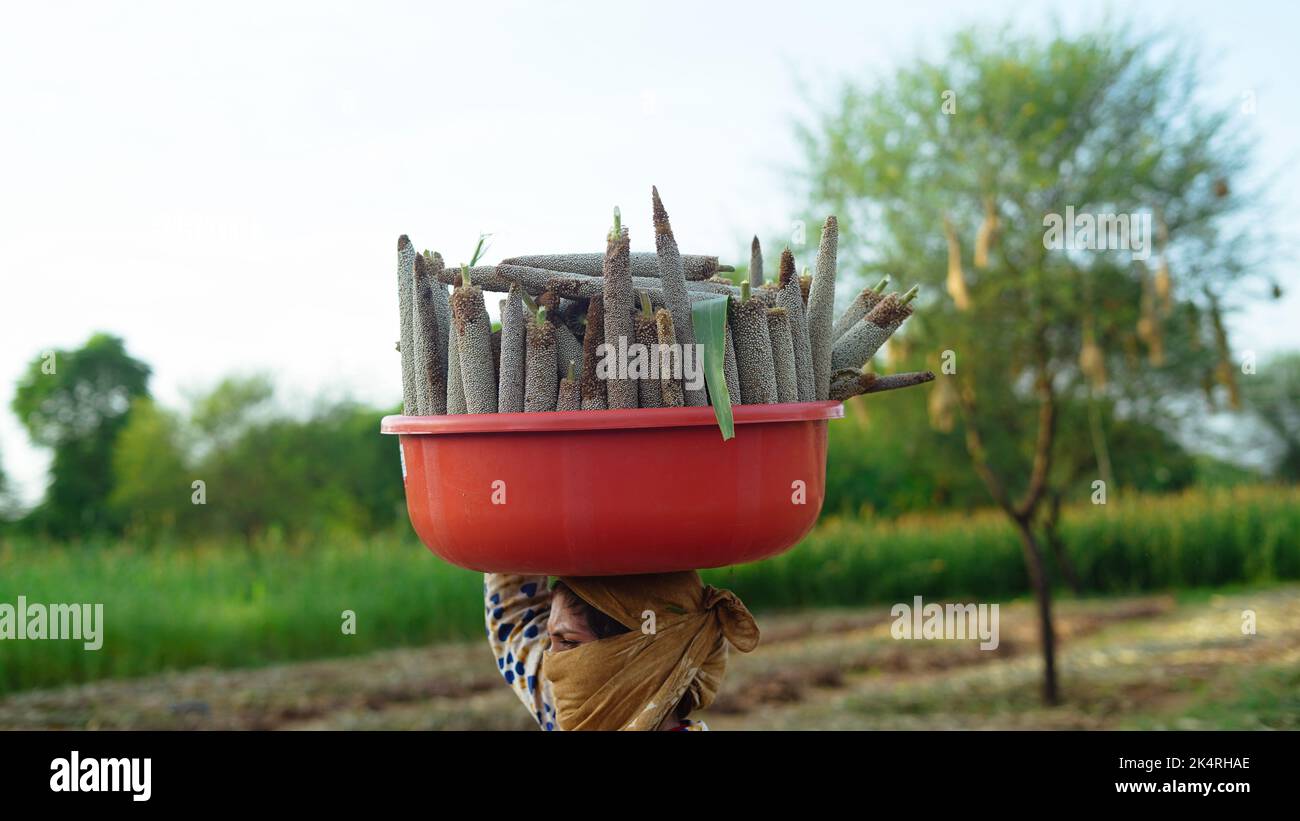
pixel 1142 662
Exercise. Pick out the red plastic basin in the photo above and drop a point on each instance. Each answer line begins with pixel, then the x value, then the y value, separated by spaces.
pixel 593 493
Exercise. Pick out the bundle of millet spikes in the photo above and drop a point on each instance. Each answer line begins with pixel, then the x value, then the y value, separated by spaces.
pixel 563 312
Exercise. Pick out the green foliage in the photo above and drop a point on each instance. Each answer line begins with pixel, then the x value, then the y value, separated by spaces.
pixel 6 497
pixel 76 403
pixel 1106 122
pixel 1273 396
pixel 228 604
pixel 1134 543
pixel 326 473
pixel 151 486
pixel 240 603
pixel 226 412
pixel 330 472
pixel 885 459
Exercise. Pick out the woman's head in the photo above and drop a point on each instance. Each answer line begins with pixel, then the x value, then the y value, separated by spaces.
pixel 574 622
pixel 636 652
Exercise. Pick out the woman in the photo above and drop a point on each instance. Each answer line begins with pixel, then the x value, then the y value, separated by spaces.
pixel 614 652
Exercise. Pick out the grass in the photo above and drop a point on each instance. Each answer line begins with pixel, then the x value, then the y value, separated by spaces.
pixel 172 607
pixel 1191 540
pixel 227 606
pixel 1155 661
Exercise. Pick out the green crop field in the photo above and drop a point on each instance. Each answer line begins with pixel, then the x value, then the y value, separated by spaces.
pixel 175 606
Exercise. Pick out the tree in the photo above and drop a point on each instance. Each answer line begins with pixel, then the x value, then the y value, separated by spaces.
pixel 264 470
pixel 235 405
pixel 6 496
pixel 954 173
pixel 76 403
pixel 1273 396
pixel 151 484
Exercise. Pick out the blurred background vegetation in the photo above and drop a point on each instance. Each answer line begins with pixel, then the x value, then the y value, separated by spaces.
pixel 123 466
pixel 1071 367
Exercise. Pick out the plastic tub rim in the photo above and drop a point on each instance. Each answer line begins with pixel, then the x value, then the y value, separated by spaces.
pixel 635 418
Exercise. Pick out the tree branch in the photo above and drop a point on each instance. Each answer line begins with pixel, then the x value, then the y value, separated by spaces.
pixel 1043 445
pixel 978 455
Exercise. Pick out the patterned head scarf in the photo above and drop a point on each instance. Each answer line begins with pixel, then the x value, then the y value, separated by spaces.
pixel 677 649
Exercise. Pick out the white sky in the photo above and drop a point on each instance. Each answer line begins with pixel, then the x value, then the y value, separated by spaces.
pixel 223 185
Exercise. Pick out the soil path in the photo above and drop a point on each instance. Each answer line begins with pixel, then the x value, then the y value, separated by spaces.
pixel 1143 661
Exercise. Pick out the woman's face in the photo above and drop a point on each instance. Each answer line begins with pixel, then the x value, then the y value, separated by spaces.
pixel 567 624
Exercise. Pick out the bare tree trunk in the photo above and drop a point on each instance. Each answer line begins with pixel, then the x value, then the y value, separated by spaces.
pixel 1022 512
pixel 1043 593
pixel 1052 532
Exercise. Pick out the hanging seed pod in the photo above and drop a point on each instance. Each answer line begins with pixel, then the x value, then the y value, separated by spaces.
pixel 649 392
pixel 622 393
pixel 748 320
pixel 956 278
pixel 1224 372
pixel 430 339
pixel 406 310
pixel 643 264
pixel 821 310
pixel 593 387
pixel 778 330
pixel 850 382
pixel 861 305
pixel 755 263
pixel 510 379
pixel 455 389
pixel 1149 328
pixel 987 235
pixel 541 384
pixel 1091 361
pixel 729 370
pixel 860 344
pixel 1164 284
pixel 469 319
pixel 791 299
pixel 941 406
pixel 674 291
pixel 671 394
pixel 570 397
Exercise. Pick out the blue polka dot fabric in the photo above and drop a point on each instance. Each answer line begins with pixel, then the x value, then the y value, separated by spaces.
pixel 516 609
